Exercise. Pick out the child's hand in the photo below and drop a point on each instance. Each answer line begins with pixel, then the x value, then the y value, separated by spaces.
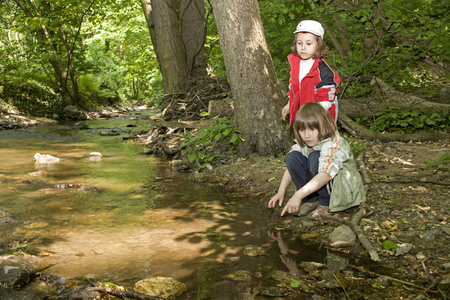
pixel 285 110
pixel 292 206
pixel 277 198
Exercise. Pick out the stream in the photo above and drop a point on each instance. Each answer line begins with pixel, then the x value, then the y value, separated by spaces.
pixel 134 217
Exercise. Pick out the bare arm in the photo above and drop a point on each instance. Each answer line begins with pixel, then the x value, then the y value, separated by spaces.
pixel 279 197
pixel 313 185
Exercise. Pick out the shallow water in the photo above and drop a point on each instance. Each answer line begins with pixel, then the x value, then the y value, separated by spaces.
pixel 144 219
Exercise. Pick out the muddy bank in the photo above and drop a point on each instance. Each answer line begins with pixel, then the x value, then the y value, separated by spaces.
pixel 407 222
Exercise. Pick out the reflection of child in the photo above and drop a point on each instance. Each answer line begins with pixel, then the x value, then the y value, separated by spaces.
pixel 290 263
pixel 311 78
pixel 321 166
pixel 292 257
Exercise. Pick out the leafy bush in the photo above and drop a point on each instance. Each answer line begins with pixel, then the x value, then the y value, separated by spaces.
pixel 357 145
pixel 94 92
pixel 407 121
pixel 200 148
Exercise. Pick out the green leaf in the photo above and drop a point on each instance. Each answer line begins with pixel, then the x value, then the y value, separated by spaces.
pixel 192 157
pixel 387 245
pixel 295 283
pixel 19 246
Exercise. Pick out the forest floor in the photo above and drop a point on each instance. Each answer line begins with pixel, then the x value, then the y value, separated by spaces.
pixel 408 200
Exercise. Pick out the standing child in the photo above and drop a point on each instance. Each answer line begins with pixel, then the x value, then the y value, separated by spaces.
pixel 311 78
pixel 321 166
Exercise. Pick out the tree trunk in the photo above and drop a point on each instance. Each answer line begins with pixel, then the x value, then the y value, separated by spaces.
pixel 257 94
pixel 46 39
pixel 178 34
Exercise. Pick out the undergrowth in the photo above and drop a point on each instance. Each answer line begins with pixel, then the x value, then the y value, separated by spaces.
pixel 201 149
pixel 406 121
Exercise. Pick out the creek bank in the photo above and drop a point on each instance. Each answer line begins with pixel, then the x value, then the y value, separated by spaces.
pixel 407 222
pixel 407 198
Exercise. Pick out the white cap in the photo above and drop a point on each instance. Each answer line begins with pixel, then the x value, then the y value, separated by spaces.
pixel 310 26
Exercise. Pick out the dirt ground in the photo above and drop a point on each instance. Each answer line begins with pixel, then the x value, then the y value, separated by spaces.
pixel 408 202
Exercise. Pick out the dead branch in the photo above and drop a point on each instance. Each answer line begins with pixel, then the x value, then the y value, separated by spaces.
pixel 363 170
pixel 410 181
pixel 362 133
pixel 353 224
pixel 168 150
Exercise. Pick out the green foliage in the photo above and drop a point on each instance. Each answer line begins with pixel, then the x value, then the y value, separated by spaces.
pixel 95 93
pixel 388 245
pixel 442 163
pixel 357 145
pixel 407 121
pixel 30 98
pixel 201 148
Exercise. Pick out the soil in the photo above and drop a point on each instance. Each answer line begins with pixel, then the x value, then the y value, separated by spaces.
pixel 408 200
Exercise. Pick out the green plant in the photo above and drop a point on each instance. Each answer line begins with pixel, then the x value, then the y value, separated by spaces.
pixel 406 121
pixel 201 148
pixel 442 163
pixel 357 145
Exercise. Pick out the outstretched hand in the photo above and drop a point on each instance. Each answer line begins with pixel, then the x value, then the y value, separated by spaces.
pixel 277 198
pixel 292 206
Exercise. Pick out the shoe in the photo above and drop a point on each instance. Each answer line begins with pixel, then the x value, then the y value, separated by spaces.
pixel 306 208
pixel 320 212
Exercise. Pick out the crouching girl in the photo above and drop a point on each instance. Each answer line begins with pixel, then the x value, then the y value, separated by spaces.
pixel 321 166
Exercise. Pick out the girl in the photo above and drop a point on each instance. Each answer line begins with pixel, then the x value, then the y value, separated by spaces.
pixel 321 166
pixel 311 78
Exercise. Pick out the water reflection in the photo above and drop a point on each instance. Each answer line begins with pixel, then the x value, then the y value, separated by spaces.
pixel 141 219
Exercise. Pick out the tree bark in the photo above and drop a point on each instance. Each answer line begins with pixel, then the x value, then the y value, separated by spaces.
pixel 257 94
pixel 178 33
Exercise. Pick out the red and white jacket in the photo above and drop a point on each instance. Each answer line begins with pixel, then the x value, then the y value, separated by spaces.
pixel 319 85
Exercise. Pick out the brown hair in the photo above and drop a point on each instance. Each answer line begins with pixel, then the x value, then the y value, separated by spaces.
pixel 321 50
pixel 312 115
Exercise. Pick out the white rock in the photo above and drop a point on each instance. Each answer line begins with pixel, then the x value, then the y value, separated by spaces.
pixel 45 158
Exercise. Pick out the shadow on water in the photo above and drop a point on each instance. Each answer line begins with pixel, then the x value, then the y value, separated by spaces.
pixel 142 219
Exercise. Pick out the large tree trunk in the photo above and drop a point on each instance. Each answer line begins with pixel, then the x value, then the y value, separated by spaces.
pixel 257 94
pixel 178 32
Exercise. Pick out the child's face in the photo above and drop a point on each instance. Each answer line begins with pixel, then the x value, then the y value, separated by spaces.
pixel 306 44
pixel 310 136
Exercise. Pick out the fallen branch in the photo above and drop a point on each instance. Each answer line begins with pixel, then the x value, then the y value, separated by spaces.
pixel 410 181
pixel 433 283
pixel 353 224
pixel 360 132
pixel 168 150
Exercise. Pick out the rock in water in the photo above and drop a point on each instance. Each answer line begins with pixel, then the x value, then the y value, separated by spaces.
pixel 45 158
pixel 162 287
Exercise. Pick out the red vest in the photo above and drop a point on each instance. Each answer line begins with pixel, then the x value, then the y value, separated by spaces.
pixel 320 84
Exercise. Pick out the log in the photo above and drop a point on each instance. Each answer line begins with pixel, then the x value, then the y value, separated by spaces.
pixel 362 133
pixel 383 96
